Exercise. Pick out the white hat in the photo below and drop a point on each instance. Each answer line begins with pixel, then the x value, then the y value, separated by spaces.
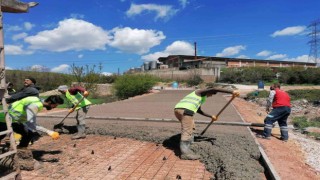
pixel 63 88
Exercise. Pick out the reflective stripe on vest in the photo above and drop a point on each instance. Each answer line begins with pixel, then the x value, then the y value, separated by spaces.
pixel 192 102
pixel 17 110
pixel 74 99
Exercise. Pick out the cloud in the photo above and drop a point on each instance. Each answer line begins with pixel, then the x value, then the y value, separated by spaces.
pixel 137 41
pixel 264 53
pixel 243 57
pixel 63 68
pixel 302 58
pixel 19 36
pixel 16 50
pixel 107 73
pixel 39 68
pixel 183 3
pixel 162 11
pixel 80 56
pixel 278 57
pixel 13 28
pixel 176 48
pixel 71 34
pixel 289 31
pixel 230 51
pixel 28 26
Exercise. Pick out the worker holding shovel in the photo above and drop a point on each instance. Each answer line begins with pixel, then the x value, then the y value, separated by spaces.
pixel 76 96
pixel 184 112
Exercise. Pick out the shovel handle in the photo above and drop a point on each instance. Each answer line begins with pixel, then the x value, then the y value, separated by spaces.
pixel 71 110
pixel 224 107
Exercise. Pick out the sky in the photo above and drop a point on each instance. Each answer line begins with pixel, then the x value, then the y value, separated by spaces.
pixel 122 34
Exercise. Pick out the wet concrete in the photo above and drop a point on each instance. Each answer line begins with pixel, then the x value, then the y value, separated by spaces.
pixel 228 152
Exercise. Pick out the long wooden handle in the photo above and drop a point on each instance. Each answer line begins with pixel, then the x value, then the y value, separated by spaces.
pixel 74 107
pixel 225 106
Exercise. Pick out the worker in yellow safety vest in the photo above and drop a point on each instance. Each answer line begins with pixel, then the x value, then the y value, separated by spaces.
pixel 185 110
pixel 23 116
pixel 77 96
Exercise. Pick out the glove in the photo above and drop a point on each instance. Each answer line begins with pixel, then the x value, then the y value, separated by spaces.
pixel 71 110
pixel 235 94
pixel 86 94
pixel 214 118
pixel 54 135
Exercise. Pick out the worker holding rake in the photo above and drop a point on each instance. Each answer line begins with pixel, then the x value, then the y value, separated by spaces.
pixel 185 110
pixel 77 96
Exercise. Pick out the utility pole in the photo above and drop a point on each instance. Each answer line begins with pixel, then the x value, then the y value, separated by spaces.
pixel 195 50
pixel 314 42
pixel 10 6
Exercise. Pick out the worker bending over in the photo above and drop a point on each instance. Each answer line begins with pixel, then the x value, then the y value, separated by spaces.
pixel 23 116
pixel 76 96
pixel 185 111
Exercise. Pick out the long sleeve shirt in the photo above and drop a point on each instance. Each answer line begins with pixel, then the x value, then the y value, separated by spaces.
pixel 25 92
pixel 271 98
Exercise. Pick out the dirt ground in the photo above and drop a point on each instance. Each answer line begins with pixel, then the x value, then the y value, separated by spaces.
pixel 287 157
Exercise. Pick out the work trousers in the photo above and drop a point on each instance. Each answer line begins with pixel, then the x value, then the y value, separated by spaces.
pixel 187 124
pixel 279 114
pixel 81 115
pixel 26 135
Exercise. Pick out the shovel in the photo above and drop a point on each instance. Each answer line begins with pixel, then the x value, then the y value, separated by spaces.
pixel 225 106
pixel 60 124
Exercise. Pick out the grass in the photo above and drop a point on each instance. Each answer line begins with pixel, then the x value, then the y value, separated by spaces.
pixel 302 122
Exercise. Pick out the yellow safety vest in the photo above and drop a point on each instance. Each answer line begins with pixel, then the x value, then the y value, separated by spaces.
pixel 17 110
pixel 74 99
pixel 191 102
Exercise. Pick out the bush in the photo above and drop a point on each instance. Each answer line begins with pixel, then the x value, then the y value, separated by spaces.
pixel 258 94
pixel 194 81
pixel 300 122
pixel 308 94
pixel 131 85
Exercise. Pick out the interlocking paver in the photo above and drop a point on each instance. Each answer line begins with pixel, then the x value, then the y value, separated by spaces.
pixel 103 157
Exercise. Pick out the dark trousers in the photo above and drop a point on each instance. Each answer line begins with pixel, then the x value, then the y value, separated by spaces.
pixel 26 135
pixel 279 114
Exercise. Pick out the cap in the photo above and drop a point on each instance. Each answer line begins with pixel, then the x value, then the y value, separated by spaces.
pixel 62 88
pixel 32 79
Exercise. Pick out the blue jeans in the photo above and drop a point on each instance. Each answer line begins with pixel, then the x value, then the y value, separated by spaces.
pixel 279 114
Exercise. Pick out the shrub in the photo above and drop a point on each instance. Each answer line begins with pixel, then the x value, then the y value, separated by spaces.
pixel 308 94
pixel 194 81
pixel 258 94
pixel 131 85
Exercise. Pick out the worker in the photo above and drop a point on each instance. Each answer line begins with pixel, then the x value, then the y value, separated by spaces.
pixel 281 109
pixel 23 116
pixel 77 96
pixel 29 89
pixel 185 110
pixel 10 88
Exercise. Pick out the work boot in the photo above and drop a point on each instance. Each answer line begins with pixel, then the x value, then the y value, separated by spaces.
pixel 186 152
pixel 81 132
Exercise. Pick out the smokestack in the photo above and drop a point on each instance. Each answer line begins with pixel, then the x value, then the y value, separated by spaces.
pixel 195 50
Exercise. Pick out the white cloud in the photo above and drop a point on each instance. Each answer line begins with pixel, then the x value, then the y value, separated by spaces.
pixel 264 53
pixel 137 41
pixel 63 68
pixel 302 58
pixel 243 57
pixel 162 11
pixel 176 48
pixel 16 50
pixel 278 57
pixel 183 3
pixel 8 68
pixel 230 51
pixel 19 36
pixel 289 31
pixel 13 28
pixel 80 56
pixel 107 73
pixel 71 34
pixel 39 68
pixel 28 26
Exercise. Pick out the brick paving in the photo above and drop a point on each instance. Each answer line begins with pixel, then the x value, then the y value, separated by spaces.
pixel 105 157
